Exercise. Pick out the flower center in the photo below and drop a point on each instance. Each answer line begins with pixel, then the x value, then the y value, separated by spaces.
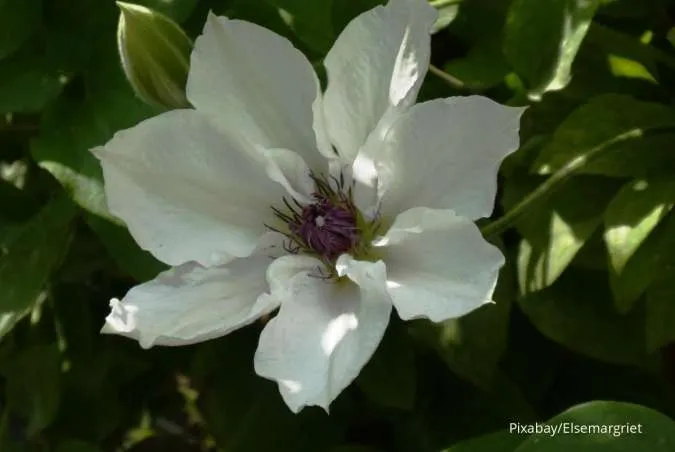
pixel 328 227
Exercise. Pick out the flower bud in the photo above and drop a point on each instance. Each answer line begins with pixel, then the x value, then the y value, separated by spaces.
pixel 155 54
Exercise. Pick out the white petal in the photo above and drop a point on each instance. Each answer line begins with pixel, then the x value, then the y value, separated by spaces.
pixel 186 191
pixel 438 265
pixel 325 332
pixel 445 154
pixel 375 70
pixel 290 170
pixel 254 82
pixel 191 303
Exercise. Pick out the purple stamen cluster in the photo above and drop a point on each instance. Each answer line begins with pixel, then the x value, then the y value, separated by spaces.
pixel 328 229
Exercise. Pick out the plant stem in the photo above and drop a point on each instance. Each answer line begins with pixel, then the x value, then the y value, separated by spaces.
pixel 449 79
pixel 558 178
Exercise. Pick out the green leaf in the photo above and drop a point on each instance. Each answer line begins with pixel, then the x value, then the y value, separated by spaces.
pixel 541 40
pixel 28 81
pixel 18 20
pixel 630 217
pixel 645 265
pixel 237 412
pixel 311 21
pixel 17 205
pixel 30 256
pixel 77 446
pixel 78 33
pixel 140 264
pixel 577 312
pixel 661 311
pixel 71 127
pixel 389 378
pixel 483 67
pixel 473 345
pixel 602 119
pixel 627 68
pixel 633 214
pixel 33 385
pixel 653 431
pixel 353 448
pixel 344 12
pixel 6 443
pixel 555 231
pixel 501 441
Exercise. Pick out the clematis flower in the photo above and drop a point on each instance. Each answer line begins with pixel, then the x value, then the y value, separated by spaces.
pixel 331 207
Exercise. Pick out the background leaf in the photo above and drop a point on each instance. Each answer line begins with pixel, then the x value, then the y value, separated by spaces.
pixel 601 119
pixel 541 40
pixel 18 19
pixel 33 378
pixel 584 305
pixel 658 430
pixel 585 321
pixel 32 252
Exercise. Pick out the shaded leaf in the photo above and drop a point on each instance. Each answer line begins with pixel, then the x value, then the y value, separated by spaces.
pixel 633 214
pixel 660 301
pixel 344 12
pixel 140 264
pixel 18 20
pixel 30 255
pixel 71 127
pixel 483 67
pixel 77 446
pixel 502 441
pixel 554 231
pixel 578 312
pixel 311 21
pixel 645 265
pixel 28 81
pixel 541 40
pixel 473 345
pixel 389 378
pixel 237 412
pixel 33 385
pixel 353 448
pixel 630 217
pixel 602 119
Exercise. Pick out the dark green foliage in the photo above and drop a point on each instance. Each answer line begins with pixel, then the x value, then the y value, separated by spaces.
pixel 583 329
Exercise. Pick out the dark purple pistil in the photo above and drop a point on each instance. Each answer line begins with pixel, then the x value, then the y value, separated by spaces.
pixel 327 228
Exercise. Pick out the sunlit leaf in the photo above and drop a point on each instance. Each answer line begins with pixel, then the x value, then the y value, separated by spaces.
pixel 542 39
pixel 604 118
pixel 554 231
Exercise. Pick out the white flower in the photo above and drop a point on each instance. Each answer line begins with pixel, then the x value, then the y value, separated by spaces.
pixel 373 198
